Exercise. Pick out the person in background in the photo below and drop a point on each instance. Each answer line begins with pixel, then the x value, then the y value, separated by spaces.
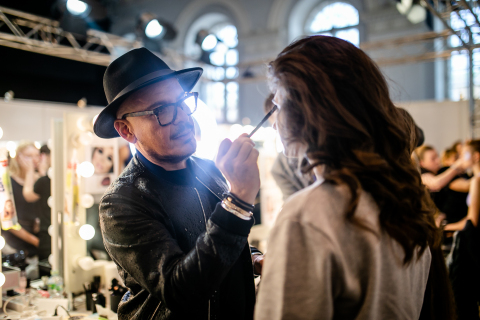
pixel 286 171
pixel 41 192
pixel 436 181
pixel 463 260
pixel 454 195
pixel 449 156
pixel 350 246
pixel 471 152
pixel 23 172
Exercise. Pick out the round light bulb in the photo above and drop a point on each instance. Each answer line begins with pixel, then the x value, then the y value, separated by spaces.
pixel 13 154
pixel 50 230
pixel 50 202
pixel 50 173
pixel 86 232
pixel 85 138
pixel 209 42
pixel 37 144
pixel 2 279
pixel 50 260
pixel 153 29
pixel 87 200
pixel 1 132
pixel 2 242
pixel 76 7
pixel 86 169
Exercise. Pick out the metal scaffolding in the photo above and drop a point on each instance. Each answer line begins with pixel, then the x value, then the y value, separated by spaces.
pixel 41 35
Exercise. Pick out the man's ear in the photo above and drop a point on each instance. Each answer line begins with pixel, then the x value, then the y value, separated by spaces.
pixel 124 129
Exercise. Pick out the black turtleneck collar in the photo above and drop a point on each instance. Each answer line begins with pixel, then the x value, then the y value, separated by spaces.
pixel 182 176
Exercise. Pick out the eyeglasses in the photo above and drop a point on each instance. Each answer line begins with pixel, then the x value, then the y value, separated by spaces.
pixel 167 113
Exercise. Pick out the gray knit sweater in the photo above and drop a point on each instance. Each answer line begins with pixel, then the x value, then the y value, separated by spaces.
pixel 320 266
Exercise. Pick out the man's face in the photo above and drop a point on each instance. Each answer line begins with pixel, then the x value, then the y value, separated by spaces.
pixel 173 143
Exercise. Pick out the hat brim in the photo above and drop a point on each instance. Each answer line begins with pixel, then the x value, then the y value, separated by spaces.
pixel 104 125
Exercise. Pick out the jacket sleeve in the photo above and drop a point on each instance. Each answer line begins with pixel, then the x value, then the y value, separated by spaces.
pixel 142 245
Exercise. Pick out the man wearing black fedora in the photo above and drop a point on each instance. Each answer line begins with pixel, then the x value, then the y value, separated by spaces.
pixel 176 231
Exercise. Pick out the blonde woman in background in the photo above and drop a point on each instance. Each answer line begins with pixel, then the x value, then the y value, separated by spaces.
pixel 23 172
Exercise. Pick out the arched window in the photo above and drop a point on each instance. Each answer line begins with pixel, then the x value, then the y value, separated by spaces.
pixel 221 93
pixel 459 66
pixel 337 19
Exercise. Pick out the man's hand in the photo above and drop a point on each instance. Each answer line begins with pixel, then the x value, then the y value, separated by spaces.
pixel 238 162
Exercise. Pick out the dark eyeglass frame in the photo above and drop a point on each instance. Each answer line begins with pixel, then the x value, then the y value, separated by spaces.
pixel 155 111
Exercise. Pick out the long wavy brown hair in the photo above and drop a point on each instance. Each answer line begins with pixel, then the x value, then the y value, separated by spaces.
pixel 337 104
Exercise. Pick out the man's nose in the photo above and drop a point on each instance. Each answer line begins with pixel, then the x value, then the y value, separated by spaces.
pixel 182 115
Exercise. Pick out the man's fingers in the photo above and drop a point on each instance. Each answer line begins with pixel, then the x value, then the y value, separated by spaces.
pixel 253 156
pixel 244 152
pixel 236 146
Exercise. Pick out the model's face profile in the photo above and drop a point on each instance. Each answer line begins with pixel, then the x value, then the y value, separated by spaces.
pixel 172 143
pixel 290 149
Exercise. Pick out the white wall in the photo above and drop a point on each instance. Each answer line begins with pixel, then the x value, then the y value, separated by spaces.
pixel 443 123
pixel 31 120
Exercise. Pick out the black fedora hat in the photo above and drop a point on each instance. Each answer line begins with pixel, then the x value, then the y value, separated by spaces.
pixel 130 72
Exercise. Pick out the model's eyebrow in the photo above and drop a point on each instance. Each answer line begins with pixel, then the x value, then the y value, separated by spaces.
pixel 163 102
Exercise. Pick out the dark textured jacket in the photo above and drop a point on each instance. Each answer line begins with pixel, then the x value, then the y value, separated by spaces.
pixel 172 272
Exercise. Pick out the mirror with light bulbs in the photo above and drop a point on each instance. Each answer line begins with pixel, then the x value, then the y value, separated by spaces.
pixel 84 167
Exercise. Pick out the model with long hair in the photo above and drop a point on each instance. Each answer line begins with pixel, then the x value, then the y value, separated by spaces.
pixel 361 242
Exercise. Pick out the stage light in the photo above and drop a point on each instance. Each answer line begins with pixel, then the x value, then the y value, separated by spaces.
pixel 153 29
pixel 76 7
pixel 86 232
pixel 209 43
pixel 417 14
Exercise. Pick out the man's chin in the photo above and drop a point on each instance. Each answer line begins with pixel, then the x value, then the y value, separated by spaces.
pixel 187 151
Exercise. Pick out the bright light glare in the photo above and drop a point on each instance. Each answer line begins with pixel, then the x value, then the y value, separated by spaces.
pixel 86 169
pixel 228 35
pixel 335 15
pixel 94 119
pixel 11 146
pixel 37 144
pixel 209 43
pixel 13 154
pixel 217 58
pixel 86 232
pixel 2 279
pixel 76 7
pixel 153 29
pixel 208 145
pixel 132 149
pixel 1 132
pixel 2 242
